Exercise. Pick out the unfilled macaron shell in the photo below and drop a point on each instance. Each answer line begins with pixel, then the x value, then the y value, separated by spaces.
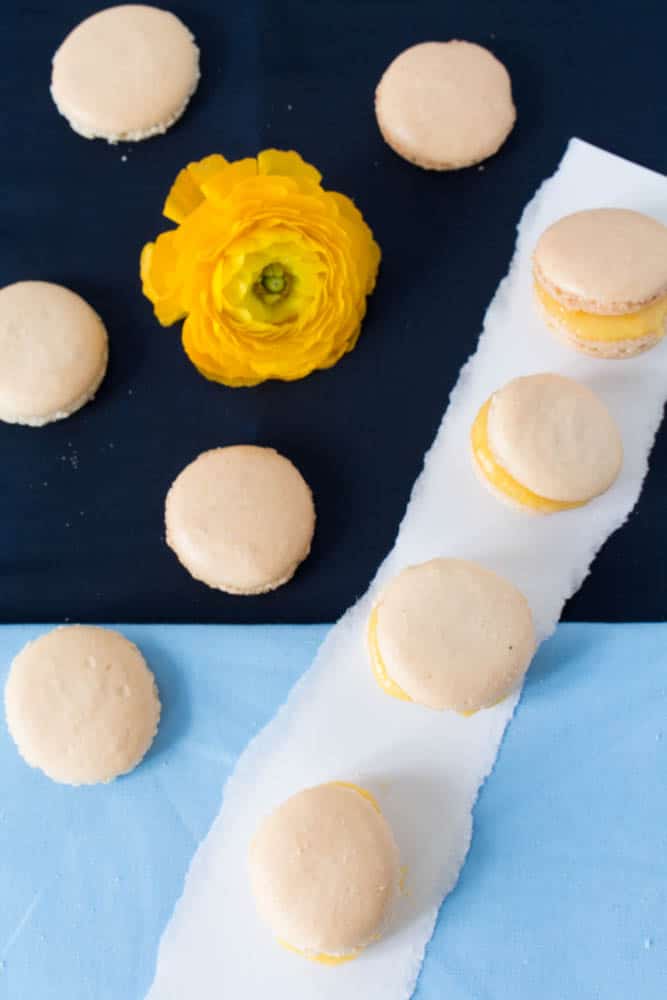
pixel 609 261
pixel 555 437
pixel 454 635
pixel 324 870
pixel 445 105
pixel 125 73
pixel 240 519
pixel 54 352
pixel 81 704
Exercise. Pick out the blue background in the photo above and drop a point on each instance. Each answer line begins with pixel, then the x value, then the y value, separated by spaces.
pixel 81 502
pixel 563 895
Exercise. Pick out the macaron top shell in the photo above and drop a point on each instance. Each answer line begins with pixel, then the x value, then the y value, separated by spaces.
pixel 605 260
pixel 81 704
pixel 555 437
pixel 240 518
pixel 445 105
pixel 454 635
pixel 324 870
pixel 126 72
pixel 54 352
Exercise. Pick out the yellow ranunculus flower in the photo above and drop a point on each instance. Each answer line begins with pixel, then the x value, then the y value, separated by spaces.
pixel 270 270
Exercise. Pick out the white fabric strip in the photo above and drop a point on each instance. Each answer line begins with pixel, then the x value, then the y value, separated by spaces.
pixel 424 767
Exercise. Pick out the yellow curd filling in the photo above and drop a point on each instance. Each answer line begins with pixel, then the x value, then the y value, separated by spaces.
pixel 321 957
pixel 591 326
pixel 501 479
pixel 378 664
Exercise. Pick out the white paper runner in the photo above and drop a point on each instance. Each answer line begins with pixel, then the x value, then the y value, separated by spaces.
pixel 424 767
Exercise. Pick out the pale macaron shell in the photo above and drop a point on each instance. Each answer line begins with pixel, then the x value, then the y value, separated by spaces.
pixel 445 105
pixel 125 73
pixel 54 350
pixel 555 436
pixel 454 635
pixel 609 261
pixel 324 871
pixel 81 704
pixel 240 519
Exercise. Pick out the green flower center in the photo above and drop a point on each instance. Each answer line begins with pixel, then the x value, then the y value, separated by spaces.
pixel 274 284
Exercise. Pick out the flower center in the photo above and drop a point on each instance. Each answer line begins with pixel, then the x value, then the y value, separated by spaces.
pixel 274 284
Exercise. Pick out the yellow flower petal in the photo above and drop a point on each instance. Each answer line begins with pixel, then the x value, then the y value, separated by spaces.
pixel 161 279
pixel 221 185
pixel 186 194
pixel 287 164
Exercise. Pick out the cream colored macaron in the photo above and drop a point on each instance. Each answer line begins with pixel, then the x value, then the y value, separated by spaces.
pixel 546 443
pixel 445 105
pixel 81 704
pixel 450 634
pixel 601 281
pixel 324 871
pixel 54 353
pixel 240 519
pixel 125 73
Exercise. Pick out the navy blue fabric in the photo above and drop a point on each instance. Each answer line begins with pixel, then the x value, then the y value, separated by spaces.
pixel 81 501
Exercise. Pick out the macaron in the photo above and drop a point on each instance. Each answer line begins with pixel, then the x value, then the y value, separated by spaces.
pixel 324 872
pixel 54 352
pixel 450 634
pixel 601 281
pixel 546 443
pixel 240 519
pixel 445 105
pixel 81 704
pixel 125 73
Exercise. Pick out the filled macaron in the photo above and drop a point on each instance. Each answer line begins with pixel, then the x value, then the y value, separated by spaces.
pixel 240 519
pixel 601 281
pixel 546 443
pixel 445 105
pixel 450 634
pixel 324 872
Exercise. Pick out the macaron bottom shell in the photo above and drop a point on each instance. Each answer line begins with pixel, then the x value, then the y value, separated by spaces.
pixel 612 337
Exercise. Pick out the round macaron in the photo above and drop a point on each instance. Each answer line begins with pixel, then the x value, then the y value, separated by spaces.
pixel 450 634
pixel 240 519
pixel 54 352
pixel 81 704
pixel 125 73
pixel 445 105
pixel 601 281
pixel 546 443
pixel 324 871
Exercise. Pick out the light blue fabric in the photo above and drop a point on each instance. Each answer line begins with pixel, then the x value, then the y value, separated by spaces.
pixel 563 896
